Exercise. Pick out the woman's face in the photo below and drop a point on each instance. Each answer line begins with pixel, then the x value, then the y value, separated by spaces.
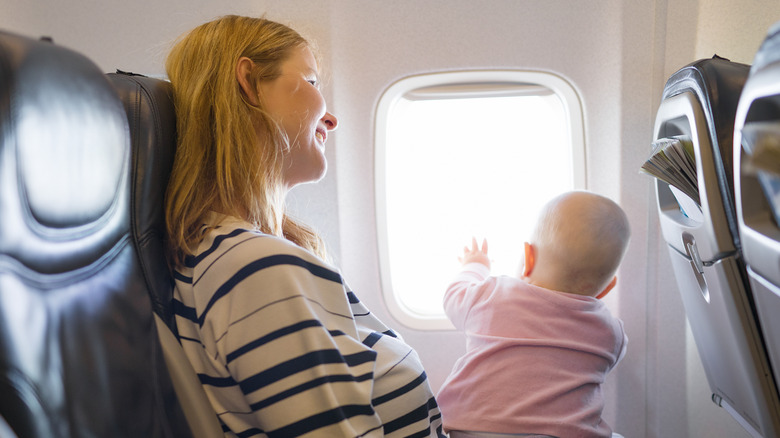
pixel 294 101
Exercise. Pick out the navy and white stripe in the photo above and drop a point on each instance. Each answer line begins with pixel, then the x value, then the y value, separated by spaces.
pixel 284 348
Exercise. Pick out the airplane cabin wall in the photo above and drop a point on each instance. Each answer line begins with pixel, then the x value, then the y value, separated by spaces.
pixel 617 55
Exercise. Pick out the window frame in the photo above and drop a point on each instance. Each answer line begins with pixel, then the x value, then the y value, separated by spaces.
pixel 460 82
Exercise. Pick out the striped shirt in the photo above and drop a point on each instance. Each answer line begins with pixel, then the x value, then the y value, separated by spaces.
pixel 283 347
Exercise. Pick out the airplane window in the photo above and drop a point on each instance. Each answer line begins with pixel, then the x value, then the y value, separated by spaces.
pixel 466 154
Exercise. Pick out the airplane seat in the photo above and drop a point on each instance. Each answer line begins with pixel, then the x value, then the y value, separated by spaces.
pixel 5 430
pixel 152 121
pixel 698 108
pixel 150 112
pixel 757 187
pixel 79 351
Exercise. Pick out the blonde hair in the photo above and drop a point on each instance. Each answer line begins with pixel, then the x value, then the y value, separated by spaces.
pixel 581 238
pixel 221 165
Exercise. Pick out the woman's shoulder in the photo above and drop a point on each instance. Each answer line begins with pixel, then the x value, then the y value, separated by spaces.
pixel 229 240
pixel 234 231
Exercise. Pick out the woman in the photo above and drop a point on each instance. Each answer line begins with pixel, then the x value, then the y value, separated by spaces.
pixel 282 346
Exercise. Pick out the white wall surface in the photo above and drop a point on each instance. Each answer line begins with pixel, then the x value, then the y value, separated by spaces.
pixel 617 54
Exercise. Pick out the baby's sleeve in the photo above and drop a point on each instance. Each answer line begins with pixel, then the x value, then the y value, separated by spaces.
pixel 464 291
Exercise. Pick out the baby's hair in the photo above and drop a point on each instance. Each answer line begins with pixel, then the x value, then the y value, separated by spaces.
pixel 581 238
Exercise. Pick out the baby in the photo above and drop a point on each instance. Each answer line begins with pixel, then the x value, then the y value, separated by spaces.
pixel 539 346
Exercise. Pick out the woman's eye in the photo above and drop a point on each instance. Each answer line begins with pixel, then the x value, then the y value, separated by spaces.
pixel 313 82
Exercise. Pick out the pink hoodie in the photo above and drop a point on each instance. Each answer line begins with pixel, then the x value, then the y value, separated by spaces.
pixel 535 358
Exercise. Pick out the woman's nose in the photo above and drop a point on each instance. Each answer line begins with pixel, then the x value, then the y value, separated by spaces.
pixel 331 122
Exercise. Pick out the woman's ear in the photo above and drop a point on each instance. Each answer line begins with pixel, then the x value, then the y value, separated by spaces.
pixel 530 260
pixel 243 76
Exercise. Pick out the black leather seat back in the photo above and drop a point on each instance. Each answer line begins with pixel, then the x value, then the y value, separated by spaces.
pixel 151 115
pixel 79 353
pixel 149 106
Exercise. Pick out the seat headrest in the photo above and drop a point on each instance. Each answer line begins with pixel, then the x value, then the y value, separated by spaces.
pixel 64 150
pixel 152 120
pixel 717 84
pixel 79 352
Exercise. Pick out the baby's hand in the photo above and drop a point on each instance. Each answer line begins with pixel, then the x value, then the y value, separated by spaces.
pixel 475 254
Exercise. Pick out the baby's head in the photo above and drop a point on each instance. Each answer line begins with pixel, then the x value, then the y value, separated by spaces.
pixel 577 245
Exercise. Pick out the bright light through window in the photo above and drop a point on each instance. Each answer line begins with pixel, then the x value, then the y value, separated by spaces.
pixel 461 161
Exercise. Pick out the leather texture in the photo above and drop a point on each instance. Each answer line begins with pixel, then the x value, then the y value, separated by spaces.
pixel 148 103
pixel 717 83
pixel 150 111
pixel 5 430
pixel 79 353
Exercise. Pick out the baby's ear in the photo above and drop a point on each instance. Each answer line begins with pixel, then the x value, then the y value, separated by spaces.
pixel 530 260
pixel 609 287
